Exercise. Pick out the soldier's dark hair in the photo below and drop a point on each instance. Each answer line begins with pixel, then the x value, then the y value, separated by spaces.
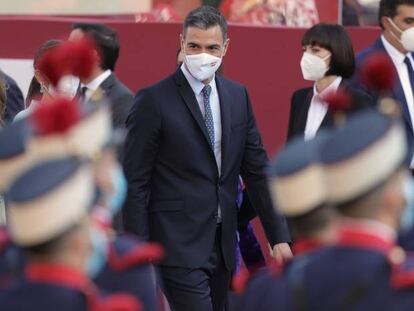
pixel 205 17
pixel 52 246
pixel 305 226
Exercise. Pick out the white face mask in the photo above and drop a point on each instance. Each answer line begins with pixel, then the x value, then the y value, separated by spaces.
pixel 313 67
pixel 407 36
pixel 68 86
pixel 202 66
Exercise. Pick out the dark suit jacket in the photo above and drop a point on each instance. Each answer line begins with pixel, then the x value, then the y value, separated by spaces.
pixel 397 92
pixel 121 99
pixel 174 185
pixel 300 103
pixel 15 100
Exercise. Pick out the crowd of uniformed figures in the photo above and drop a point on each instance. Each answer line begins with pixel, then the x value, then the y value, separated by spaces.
pixel 115 202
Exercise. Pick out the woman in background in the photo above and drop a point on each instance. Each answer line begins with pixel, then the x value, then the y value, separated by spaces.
pixel 40 86
pixel 328 59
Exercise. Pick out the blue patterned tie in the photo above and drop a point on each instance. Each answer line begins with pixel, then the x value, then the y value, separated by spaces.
pixel 410 71
pixel 208 115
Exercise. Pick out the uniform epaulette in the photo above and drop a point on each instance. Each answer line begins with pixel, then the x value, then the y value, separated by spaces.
pixel 118 302
pixel 402 268
pixel 126 252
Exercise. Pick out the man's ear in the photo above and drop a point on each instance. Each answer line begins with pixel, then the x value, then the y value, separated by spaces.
pixel 386 24
pixel 182 42
pixel 226 46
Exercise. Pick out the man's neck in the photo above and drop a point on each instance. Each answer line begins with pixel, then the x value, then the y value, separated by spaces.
pixel 324 83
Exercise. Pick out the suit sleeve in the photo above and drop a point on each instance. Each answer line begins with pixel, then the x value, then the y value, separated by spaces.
pixel 121 109
pixel 140 152
pixel 253 168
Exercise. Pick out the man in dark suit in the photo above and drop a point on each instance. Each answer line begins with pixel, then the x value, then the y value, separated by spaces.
pixel 396 18
pixel 14 97
pixel 189 138
pixel 106 41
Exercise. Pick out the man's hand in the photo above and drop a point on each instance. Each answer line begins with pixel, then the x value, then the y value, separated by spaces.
pixel 281 252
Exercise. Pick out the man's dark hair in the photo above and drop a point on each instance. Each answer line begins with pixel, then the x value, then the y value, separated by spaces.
pixel 205 17
pixel 307 225
pixel 105 39
pixel 389 8
pixel 333 38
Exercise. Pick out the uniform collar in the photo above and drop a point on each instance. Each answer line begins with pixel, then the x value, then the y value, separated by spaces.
pixel 366 234
pixel 60 275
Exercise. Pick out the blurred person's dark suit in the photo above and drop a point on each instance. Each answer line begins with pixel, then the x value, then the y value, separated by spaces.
pixel 14 97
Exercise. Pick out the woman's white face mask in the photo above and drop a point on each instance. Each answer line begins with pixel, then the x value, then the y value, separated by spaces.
pixel 313 67
pixel 67 86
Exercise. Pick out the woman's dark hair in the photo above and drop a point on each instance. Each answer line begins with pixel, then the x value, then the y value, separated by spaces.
pixel 34 87
pixel 333 38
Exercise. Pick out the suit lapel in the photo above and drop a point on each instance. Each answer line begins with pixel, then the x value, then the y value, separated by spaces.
pixel 225 110
pixel 106 85
pixel 303 112
pixel 398 91
pixel 191 102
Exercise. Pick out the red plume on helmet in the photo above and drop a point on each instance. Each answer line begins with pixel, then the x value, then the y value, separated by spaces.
pixel 338 101
pixel 79 56
pixel 55 116
pixel 76 58
pixel 378 73
pixel 51 66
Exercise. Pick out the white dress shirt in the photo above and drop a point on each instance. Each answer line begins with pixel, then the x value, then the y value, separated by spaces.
pixel 318 109
pixel 398 59
pixel 197 87
pixel 95 83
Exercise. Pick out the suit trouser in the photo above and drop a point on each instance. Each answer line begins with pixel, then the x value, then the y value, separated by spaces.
pixel 202 289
